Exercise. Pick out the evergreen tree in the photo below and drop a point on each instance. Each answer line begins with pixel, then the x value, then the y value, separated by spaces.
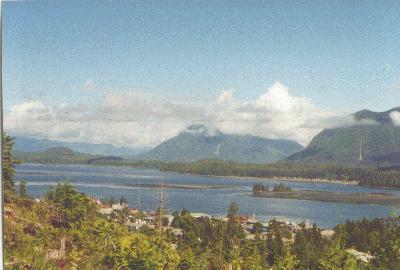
pixel 286 261
pixel 233 210
pixel 308 247
pixel 22 189
pixel 123 201
pixel 8 167
pixel 111 201
pixel 336 258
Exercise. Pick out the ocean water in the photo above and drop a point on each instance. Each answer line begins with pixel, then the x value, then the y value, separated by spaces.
pixel 105 181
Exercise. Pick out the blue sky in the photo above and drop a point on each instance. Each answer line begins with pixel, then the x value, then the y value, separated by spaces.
pixel 342 55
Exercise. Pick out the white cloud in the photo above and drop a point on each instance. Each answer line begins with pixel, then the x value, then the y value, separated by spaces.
pixel 135 120
pixel 129 120
pixel 395 116
pixel 276 114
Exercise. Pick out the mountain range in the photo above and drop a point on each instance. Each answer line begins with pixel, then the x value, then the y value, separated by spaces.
pixel 27 144
pixel 373 139
pixel 197 142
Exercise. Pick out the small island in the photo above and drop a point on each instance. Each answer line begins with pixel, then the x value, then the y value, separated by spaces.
pixel 260 187
pixel 282 191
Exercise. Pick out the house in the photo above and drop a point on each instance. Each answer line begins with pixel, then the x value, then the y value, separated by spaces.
pixel 307 224
pixel 118 206
pixel 360 256
pixel 136 224
pixel 96 201
pixel 106 211
pixel 327 233
pixel 170 219
pixel 200 215
pixel 150 219
pixel 222 218
pixel 133 211
pixel 244 219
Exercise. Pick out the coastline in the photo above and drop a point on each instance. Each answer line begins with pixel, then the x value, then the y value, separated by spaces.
pixel 335 197
pixel 280 178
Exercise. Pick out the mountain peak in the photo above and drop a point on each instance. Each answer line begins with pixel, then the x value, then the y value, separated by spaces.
pixel 198 142
pixel 199 130
pixel 379 117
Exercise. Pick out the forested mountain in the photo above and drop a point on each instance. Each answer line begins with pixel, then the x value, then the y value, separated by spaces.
pixel 63 155
pixel 57 155
pixel 27 144
pixel 197 142
pixel 374 135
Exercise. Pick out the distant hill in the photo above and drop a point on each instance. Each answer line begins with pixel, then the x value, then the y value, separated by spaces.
pixel 56 155
pixel 27 144
pixel 61 155
pixel 379 142
pixel 197 143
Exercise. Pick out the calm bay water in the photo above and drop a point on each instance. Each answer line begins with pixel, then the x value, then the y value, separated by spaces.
pixel 104 182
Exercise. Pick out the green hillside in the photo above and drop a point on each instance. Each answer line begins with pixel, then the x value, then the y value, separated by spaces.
pixel 379 142
pixel 197 143
pixel 62 155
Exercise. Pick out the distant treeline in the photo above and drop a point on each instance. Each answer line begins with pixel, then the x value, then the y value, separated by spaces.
pixel 365 176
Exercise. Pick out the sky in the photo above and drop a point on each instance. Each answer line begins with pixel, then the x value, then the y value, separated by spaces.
pixel 135 73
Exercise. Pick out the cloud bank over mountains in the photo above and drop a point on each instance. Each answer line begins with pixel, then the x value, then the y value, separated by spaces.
pixel 276 114
pixel 134 120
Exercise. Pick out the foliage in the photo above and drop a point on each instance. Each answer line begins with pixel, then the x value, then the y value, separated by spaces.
pixel 287 261
pixel 67 223
pixel 379 237
pixel 308 247
pixel 336 258
pixel 94 242
pixel 260 187
pixel 365 175
pixel 281 188
pixel 8 167
pixel 233 210
pixel 22 189
pixel 68 206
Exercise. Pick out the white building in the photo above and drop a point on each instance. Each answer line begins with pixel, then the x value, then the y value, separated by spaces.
pixel 118 207
pixel 200 215
pixel 106 211
pixel 360 256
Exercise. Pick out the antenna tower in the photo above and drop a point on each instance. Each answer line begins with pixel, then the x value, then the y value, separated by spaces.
pixel 360 158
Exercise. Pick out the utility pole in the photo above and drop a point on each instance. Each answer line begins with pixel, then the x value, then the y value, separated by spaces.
pixel 137 219
pixel 160 221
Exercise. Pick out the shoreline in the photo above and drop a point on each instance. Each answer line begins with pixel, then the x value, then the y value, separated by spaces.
pixel 280 178
pixel 334 197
